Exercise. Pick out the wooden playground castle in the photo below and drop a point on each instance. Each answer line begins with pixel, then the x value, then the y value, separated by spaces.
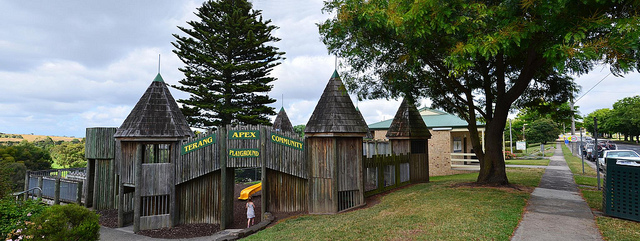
pixel 156 173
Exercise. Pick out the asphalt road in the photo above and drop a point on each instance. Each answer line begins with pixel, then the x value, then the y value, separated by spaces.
pixel 625 146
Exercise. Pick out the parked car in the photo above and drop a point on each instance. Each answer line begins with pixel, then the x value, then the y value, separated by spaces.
pixel 623 154
pixel 587 149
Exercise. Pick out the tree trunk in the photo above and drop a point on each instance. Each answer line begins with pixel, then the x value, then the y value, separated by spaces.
pixel 492 166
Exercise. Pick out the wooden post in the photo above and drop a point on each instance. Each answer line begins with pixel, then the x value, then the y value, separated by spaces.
pixel 111 187
pixel 138 192
pixel 224 213
pixel 56 191
pixel 334 176
pixel 26 184
pixel 172 184
pixel 79 194
pixel 40 181
pixel 95 185
pixel 120 204
pixel 263 162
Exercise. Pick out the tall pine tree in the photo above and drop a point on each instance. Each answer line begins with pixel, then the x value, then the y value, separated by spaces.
pixel 227 64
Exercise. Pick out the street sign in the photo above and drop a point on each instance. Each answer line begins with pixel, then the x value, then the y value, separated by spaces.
pixel 574 138
pixel 521 145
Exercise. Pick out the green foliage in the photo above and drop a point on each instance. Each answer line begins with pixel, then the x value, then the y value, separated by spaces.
pixel 33 157
pixel 5 183
pixel 16 216
pixel 299 129
pixel 69 154
pixel 542 131
pixel 623 118
pixel 13 173
pixel 227 65
pixel 2 135
pixel 601 115
pixel 66 222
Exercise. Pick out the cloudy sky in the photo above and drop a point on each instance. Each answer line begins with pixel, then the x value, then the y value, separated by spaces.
pixel 69 65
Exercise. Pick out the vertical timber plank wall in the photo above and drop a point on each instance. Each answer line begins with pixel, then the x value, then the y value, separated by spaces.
pixel 349 164
pixel 198 200
pixel 105 191
pixel 286 159
pixel 243 144
pixel 287 193
pixel 100 151
pixel 197 163
pixel 419 170
pixel 322 168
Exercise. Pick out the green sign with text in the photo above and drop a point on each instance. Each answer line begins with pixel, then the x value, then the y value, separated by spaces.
pixel 195 145
pixel 285 141
pixel 244 134
pixel 238 153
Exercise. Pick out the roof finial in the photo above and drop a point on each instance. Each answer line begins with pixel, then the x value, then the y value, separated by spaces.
pixel 282 101
pixel 158 63
pixel 336 63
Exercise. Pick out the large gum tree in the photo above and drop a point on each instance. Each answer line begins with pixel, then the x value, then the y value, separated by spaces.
pixel 480 59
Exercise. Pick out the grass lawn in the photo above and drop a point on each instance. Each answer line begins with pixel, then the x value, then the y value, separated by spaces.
pixel 439 210
pixel 533 150
pixel 611 228
pixel 540 162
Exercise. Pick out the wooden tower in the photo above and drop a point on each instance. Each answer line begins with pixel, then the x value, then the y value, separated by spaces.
pixel 282 123
pixel 149 144
pixel 333 136
pixel 408 134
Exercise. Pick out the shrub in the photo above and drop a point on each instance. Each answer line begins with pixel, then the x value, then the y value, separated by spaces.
pixel 509 156
pixel 66 222
pixel 16 216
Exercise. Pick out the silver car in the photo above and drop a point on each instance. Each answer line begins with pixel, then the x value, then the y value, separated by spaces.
pixel 615 154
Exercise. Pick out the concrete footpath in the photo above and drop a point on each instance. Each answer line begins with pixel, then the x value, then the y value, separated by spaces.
pixel 556 211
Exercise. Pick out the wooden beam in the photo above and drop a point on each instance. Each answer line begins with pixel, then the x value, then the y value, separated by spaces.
pixel 224 195
pixel 263 162
pixel 138 192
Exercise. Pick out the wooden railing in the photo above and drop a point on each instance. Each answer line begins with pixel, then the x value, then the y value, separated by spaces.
pixel 458 160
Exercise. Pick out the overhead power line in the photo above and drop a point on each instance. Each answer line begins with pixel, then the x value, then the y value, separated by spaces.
pixel 592 88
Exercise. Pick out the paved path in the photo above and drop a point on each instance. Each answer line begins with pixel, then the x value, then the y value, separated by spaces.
pixel 556 211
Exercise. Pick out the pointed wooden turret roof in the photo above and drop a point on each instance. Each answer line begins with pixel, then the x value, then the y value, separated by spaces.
pixel 408 123
pixel 335 112
pixel 282 121
pixel 156 115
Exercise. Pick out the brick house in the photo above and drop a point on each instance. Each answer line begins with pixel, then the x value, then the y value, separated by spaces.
pixel 449 141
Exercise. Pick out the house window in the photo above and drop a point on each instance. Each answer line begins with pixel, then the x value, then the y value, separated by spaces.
pixel 157 153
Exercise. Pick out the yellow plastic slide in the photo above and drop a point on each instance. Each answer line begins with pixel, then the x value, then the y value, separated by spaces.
pixel 247 192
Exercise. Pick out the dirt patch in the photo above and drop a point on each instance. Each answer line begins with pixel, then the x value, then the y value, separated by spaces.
pixel 508 188
pixel 240 209
pixel 183 231
pixel 108 218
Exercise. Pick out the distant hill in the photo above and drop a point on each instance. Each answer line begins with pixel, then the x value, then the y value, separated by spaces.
pixel 32 138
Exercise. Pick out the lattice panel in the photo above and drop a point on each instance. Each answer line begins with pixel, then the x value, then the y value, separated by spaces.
pixel 622 191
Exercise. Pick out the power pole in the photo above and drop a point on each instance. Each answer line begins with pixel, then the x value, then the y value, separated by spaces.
pixel 573 121
pixel 510 138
